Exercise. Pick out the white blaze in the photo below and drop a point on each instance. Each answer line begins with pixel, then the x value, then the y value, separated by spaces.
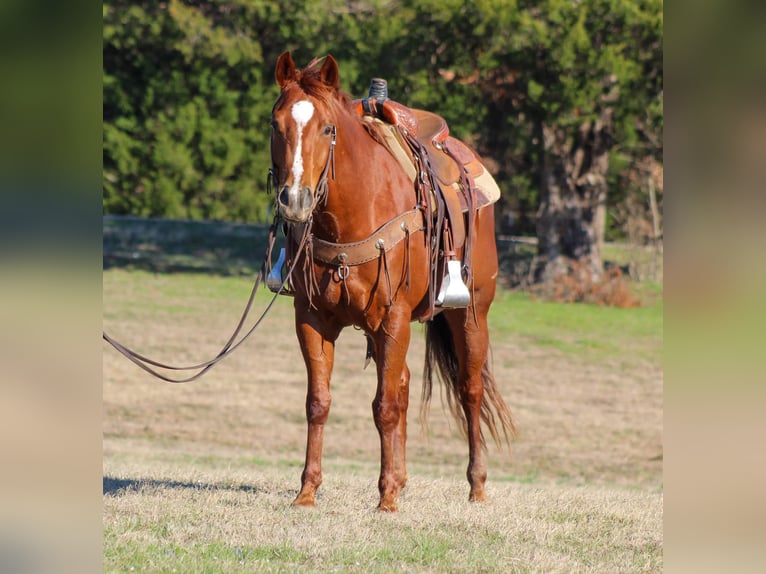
pixel 302 112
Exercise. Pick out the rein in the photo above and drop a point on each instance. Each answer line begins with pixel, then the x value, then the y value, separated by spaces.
pixel 230 346
pixel 343 255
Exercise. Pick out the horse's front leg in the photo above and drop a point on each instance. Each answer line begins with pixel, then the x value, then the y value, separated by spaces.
pixel 318 348
pixel 390 407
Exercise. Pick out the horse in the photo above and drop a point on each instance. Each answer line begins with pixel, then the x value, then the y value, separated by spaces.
pixel 336 184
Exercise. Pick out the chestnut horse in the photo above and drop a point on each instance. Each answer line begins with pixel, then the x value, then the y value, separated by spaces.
pixel 336 183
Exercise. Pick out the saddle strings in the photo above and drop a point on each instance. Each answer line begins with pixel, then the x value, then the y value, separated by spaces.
pixel 405 280
pixel 434 215
pixel 465 185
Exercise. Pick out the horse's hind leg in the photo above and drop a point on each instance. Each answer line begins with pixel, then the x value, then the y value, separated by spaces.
pixel 390 408
pixel 471 346
pixel 318 353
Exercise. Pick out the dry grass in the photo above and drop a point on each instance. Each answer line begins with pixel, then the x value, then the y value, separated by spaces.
pixel 236 520
pixel 199 477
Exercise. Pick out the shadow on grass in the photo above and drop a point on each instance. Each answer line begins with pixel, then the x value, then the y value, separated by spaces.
pixel 174 246
pixel 237 249
pixel 232 249
pixel 117 486
pixel 515 257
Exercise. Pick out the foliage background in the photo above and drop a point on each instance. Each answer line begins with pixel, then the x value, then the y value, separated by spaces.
pixel 188 90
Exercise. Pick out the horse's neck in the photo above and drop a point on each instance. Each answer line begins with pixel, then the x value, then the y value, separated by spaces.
pixel 363 194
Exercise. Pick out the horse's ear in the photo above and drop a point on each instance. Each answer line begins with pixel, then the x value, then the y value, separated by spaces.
pixel 285 72
pixel 329 73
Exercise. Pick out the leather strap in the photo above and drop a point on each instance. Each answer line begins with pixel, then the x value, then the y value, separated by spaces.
pixel 358 252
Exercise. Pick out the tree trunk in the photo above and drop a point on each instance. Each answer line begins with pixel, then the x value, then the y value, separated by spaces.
pixel 572 215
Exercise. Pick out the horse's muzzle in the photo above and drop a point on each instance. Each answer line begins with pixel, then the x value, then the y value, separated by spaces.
pixel 295 206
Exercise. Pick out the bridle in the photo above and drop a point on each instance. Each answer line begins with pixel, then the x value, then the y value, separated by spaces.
pixel 322 188
pixel 303 245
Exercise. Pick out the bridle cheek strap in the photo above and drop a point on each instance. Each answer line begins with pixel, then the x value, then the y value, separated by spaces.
pixel 322 188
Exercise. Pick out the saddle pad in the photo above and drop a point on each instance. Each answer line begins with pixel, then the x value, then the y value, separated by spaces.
pixel 395 145
pixel 487 191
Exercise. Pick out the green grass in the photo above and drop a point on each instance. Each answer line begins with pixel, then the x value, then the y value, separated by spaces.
pixel 164 294
pixel 409 551
pixel 213 558
pixel 588 331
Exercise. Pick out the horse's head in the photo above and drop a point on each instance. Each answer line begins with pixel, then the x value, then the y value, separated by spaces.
pixel 303 134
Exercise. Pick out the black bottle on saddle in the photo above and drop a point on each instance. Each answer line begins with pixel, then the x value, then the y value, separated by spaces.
pixel 378 89
pixel 378 94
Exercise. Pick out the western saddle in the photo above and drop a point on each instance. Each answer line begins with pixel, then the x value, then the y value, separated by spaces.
pixel 445 176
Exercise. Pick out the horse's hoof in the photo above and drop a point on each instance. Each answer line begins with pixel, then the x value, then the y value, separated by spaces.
pixel 478 497
pixel 304 502
pixel 387 507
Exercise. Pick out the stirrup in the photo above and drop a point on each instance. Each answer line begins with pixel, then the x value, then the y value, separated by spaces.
pixel 274 279
pixel 454 292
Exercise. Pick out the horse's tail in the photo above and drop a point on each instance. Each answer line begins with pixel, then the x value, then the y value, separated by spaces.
pixel 441 358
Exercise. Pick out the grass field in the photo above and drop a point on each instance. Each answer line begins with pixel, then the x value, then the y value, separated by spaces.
pixel 199 477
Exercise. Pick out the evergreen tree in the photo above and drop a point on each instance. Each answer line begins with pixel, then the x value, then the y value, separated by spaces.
pixel 563 99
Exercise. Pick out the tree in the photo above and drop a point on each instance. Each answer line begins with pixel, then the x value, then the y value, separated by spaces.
pixel 185 109
pixel 563 99
pixel 188 91
pixel 606 55
pixel 550 92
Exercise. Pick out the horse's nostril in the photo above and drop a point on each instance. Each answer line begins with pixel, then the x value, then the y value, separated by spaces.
pixel 283 196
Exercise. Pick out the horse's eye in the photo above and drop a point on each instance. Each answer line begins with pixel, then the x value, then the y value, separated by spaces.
pixel 274 124
pixel 328 130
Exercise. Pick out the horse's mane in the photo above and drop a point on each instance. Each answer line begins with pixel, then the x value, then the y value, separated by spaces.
pixel 309 80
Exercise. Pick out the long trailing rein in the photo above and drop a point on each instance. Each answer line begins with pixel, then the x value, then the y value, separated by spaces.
pixel 230 346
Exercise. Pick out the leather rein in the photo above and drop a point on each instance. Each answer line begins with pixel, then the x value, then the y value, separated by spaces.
pixel 341 254
pixel 231 345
